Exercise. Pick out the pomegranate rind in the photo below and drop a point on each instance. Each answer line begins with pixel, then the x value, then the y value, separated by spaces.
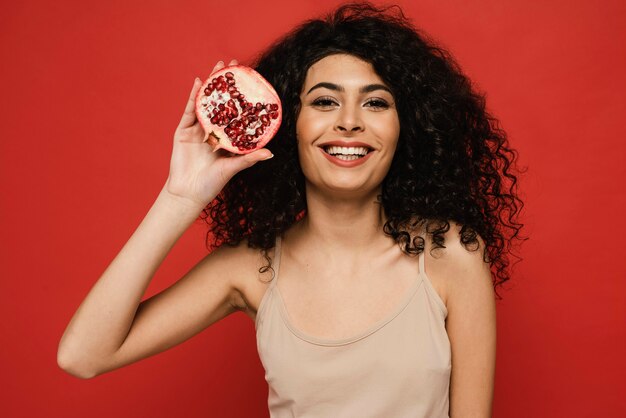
pixel 256 89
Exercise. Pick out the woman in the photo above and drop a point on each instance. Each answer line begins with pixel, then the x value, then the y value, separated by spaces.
pixel 370 282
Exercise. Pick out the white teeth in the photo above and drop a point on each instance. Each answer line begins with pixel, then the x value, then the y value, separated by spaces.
pixel 357 151
pixel 347 157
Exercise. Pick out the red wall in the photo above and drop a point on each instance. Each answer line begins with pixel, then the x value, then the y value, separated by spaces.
pixel 92 93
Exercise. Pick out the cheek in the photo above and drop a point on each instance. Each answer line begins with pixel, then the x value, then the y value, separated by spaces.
pixel 305 134
pixel 387 129
pixel 309 126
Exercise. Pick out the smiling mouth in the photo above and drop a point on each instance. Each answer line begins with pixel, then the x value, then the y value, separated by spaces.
pixel 347 153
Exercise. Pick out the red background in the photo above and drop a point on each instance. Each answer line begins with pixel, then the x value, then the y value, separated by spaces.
pixel 92 93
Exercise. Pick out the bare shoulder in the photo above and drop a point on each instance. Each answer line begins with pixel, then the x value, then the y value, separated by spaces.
pixel 470 324
pixel 456 269
pixel 243 262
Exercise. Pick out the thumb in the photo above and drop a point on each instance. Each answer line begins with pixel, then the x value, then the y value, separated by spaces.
pixel 242 162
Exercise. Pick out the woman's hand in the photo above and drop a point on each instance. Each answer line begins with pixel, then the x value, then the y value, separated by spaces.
pixel 197 173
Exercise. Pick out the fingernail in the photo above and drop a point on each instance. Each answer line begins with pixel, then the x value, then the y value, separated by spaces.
pixel 267 158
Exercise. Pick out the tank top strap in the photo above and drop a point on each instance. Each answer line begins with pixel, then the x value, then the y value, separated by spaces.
pixel 426 280
pixel 269 291
pixel 421 262
pixel 276 261
pixel 421 257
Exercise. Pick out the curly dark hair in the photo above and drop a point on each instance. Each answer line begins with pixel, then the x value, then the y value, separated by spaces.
pixel 452 162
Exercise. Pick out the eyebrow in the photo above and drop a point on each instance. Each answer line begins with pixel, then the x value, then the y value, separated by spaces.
pixel 365 89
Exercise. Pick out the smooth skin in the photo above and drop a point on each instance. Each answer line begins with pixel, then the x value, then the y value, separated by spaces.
pixel 113 328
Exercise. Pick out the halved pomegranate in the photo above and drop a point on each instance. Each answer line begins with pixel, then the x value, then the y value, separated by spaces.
pixel 238 109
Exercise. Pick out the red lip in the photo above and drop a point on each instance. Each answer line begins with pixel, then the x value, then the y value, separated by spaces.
pixel 343 163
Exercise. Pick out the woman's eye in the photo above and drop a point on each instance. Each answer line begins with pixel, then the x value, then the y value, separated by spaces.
pixel 323 102
pixel 377 103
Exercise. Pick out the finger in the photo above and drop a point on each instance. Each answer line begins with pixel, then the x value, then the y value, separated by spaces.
pixel 233 62
pixel 189 116
pixel 218 66
pixel 241 162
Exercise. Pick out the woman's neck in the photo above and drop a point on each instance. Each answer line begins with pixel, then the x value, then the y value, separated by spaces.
pixel 342 224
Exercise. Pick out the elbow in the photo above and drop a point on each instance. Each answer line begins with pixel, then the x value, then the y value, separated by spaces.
pixel 68 364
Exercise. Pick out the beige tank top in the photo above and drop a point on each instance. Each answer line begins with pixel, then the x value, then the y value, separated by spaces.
pixel 399 367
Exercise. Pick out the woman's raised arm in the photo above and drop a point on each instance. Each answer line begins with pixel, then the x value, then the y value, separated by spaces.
pixel 110 327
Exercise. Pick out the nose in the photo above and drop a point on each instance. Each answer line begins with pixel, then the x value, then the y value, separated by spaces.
pixel 348 120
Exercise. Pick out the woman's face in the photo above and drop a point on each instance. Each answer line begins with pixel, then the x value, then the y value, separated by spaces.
pixel 348 126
